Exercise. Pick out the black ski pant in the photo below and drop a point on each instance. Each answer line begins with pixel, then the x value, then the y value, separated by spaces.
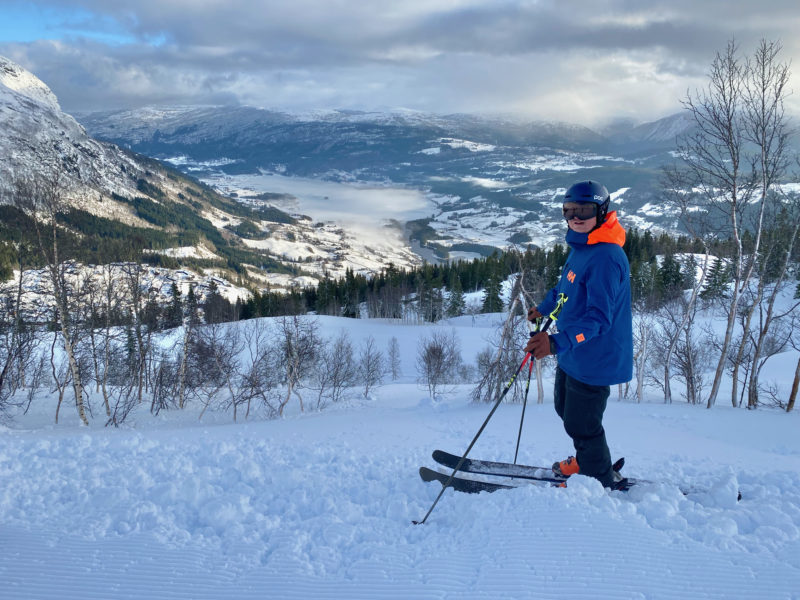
pixel 581 407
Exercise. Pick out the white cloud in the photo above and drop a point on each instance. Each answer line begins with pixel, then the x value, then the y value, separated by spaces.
pixel 620 58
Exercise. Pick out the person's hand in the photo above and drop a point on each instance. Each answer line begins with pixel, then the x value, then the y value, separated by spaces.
pixel 539 345
pixel 533 314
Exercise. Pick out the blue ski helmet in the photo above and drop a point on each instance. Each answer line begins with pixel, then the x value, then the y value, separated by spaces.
pixel 590 191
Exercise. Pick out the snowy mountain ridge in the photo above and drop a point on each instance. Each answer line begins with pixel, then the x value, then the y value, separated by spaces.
pixel 102 181
pixel 26 84
pixel 274 248
pixel 192 125
pixel 37 135
pixel 136 125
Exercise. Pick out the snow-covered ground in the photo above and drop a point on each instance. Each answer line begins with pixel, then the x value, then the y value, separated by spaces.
pixel 319 505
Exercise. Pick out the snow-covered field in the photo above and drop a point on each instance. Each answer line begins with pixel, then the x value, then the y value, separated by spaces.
pixel 319 505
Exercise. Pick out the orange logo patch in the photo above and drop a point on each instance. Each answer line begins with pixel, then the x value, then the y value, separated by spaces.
pixel 571 277
pixel 580 338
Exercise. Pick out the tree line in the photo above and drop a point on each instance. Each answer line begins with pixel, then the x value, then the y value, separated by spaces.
pixel 431 292
pixel 112 325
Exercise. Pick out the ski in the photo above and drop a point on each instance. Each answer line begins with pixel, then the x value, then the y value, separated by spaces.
pixel 501 469
pixel 531 474
pixel 473 486
pixel 462 484
pixel 488 467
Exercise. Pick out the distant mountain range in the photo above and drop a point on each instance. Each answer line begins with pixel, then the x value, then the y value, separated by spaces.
pixel 493 180
pixel 196 186
pixel 319 142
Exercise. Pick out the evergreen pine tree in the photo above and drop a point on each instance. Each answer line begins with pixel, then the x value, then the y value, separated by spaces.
pixel 191 307
pixel 644 279
pixel 249 308
pixel 173 315
pixel 214 307
pixel 492 301
pixel 555 261
pixel 456 304
pixel 431 300
pixel 130 349
pixel 717 281
pixel 150 314
pixel 350 303
pixel 670 277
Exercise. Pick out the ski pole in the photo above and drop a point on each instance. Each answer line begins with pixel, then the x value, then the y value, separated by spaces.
pixel 527 385
pixel 553 316
pixel 528 357
pixel 524 404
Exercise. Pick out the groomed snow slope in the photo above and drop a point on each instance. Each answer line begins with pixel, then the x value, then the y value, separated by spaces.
pixel 320 505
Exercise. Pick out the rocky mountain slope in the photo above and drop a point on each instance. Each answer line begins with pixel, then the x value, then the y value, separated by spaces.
pixel 123 205
pixel 36 135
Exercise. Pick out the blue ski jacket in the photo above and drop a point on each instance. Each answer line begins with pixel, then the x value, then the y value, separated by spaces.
pixel 594 343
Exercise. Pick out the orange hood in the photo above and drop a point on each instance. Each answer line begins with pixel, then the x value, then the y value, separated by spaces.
pixel 610 232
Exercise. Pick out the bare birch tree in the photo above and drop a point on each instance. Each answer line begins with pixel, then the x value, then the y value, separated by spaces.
pixel 675 184
pixel 138 293
pixel 764 335
pixel 394 358
pixel 498 365
pixel 259 379
pixel 108 304
pixel 644 325
pixel 44 198
pixel 190 318
pixel 17 338
pixel 795 325
pixel 438 361
pixel 673 346
pixel 336 370
pixel 766 128
pixel 371 365
pixel 298 340
pixel 60 375
pixel 733 155
pixel 527 300
pixel 222 346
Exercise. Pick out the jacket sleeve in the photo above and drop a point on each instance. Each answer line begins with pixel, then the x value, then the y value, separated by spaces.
pixel 602 288
pixel 547 305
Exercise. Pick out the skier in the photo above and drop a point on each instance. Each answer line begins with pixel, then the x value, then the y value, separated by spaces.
pixel 594 343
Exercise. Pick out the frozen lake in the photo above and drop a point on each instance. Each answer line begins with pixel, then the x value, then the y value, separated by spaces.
pixel 346 203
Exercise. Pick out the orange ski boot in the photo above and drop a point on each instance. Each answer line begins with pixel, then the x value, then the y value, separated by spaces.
pixel 566 467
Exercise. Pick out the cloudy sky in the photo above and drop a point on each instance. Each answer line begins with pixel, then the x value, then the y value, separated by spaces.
pixel 582 61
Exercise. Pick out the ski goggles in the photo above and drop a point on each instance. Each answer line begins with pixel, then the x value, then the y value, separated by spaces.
pixel 579 210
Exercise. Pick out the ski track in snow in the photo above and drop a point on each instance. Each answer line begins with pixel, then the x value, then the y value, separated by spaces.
pixel 320 505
